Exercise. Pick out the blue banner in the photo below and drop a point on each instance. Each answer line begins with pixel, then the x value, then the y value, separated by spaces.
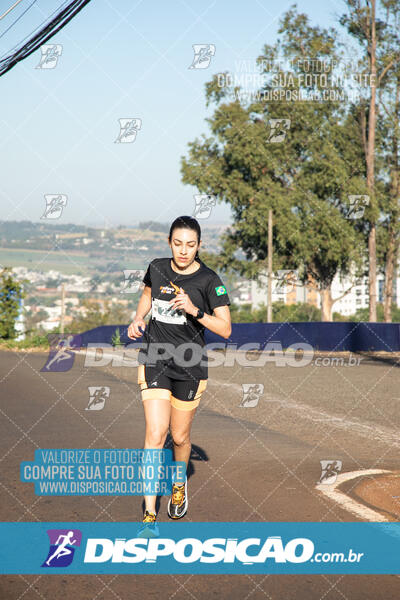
pixel 102 472
pixel 334 337
pixel 200 548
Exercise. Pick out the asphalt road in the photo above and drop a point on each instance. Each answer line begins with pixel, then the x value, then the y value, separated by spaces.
pixel 259 462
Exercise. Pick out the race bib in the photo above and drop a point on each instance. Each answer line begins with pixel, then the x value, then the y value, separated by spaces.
pixel 165 312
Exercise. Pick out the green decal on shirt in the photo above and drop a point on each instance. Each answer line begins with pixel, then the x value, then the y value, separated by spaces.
pixel 220 290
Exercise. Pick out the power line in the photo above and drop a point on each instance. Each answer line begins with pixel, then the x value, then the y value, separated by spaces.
pixel 37 28
pixel 45 33
pixel 10 9
pixel 18 18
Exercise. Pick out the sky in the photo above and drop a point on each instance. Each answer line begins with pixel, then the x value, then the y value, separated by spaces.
pixel 126 59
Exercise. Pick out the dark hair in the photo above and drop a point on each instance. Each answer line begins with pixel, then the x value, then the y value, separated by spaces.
pixel 186 222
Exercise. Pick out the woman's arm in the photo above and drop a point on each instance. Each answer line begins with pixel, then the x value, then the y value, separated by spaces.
pixel 144 304
pixel 143 307
pixel 220 323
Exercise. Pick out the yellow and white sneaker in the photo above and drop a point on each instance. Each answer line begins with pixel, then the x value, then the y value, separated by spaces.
pixel 178 502
pixel 149 528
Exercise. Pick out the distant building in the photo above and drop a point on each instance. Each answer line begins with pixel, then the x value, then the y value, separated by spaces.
pixel 20 322
pixel 285 288
pixel 288 290
pixel 358 296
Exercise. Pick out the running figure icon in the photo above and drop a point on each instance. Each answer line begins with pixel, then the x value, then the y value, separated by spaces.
pixel 63 351
pixel 62 549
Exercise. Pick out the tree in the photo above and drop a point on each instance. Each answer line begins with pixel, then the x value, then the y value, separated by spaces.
pixel 111 314
pixel 154 226
pixel 32 321
pixel 389 102
pixel 378 38
pixel 305 180
pixel 11 294
pixel 281 312
pixel 94 282
pixel 390 236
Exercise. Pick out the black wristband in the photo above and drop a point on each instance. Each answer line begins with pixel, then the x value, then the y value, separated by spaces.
pixel 200 314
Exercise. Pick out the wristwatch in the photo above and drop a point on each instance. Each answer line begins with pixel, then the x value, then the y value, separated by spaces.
pixel 200 314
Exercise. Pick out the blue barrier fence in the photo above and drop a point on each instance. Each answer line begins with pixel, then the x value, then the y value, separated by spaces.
pixel 346 336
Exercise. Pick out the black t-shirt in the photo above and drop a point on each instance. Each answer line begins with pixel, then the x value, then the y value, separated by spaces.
pixel 175 327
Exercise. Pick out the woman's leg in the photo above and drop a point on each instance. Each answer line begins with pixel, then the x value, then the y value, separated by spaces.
pixel 157 413
pixel 180 425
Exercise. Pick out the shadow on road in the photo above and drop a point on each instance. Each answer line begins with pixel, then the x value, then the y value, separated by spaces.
pixel 394 361
pixel 197 453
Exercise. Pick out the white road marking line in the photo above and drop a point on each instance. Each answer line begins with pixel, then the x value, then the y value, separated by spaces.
pixel 307 412
pixel 358 509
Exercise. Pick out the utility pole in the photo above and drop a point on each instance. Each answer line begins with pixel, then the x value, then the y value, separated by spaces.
pixel 62 308
pixel 269 290
pixel 370 154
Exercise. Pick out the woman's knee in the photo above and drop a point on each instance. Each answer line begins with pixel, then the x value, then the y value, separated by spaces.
pixel 156 437
pixel 180 438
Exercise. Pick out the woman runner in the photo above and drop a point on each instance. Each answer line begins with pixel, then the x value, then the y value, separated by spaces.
pixel 185 297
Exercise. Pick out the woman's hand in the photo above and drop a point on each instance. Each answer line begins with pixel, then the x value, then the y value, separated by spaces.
pixel 133 329
pixel 183 302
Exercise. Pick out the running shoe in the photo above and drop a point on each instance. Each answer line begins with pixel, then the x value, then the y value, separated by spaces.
pixel 178 502
pixel 149 529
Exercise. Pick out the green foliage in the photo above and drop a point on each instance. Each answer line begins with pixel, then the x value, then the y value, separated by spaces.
pixel 281 313
pixel 305 180
pixel 362 314
pixel 242 313
pixel 340 318
pixel 52 283
pixel 300 312
pixel 10 295
pixel 154 226
pixel 94 317
pixel 23 230
pixel 116 338
pixel 35 340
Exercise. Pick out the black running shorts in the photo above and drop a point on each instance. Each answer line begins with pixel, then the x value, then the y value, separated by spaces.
pixel 183 394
